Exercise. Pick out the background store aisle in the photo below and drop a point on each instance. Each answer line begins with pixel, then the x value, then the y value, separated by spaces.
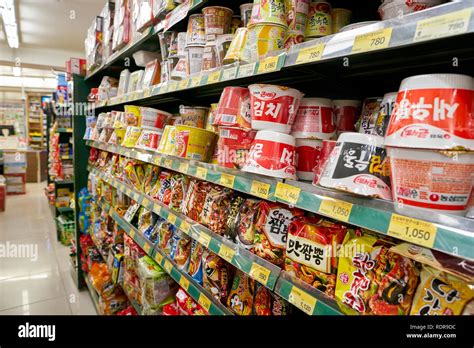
pixel 41 284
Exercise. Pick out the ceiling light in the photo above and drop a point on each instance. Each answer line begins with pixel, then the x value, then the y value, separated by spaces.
pixel 7 8
pixel 16 71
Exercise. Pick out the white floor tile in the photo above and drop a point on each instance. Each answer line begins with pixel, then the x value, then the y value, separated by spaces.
pixel 57 306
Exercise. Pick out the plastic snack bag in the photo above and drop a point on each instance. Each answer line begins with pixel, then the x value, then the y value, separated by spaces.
pixel 193 202
pixel 216 205
pixel 195 261
pixel 164 193
pixel 179 184
pixel 216 276
pixel 245 223
pixel 181 249
pixel 240 299
pixel 230 231
pixel 166 233
pixel 267 303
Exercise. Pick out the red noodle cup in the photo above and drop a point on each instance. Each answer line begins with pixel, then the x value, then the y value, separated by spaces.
pixel 319 19
pixel 314 119
pixel 194 55
pixel 433 112
pixel 273 107
pixel 430 179
pixel 234 108
pixel 246 13
pixel 326 149
pixel 307 157
pixel 217 20
pixel 149 139
pixel 272 154
pixel 264 11
pixel 357 165
pixel 196 34
pixel 153 118
pixel 194 116
pixel 233 146
pixel 297 15
pixel 346 113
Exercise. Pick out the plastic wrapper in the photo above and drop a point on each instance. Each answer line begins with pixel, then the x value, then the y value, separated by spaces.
pixel 234 208
pixel 179 184
pixel 166 240
pixel 195 261
pixel 153 234
pixel 217 276
pixel 193 203
pixel 241 295
pixel 245 223
pixel 181 249
pixel 214 212
pixel 266 303
pixel 151 176
pixel 164 192
pixel 187 306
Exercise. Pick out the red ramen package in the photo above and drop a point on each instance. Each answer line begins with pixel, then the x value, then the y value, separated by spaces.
pixel 217 276
pixel 181 248
pixel 195 261
pixel 186 305
pixel 245 223
pixel 373 280
pixel 164 192
pixel 194 200
pixel 440 293
pixel 267 303
pixel 271 229
pixel 179 184
pixel 240 299
pixel 311 252
pixel 230 232
pixel 216 205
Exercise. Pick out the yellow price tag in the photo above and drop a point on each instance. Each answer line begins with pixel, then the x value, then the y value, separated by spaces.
pixel 268 65
pixel 183 84
pixel 146 92
pixel 168 163
pixel 412 230
pixel 260 189
pixel 226 253
pixel 310 54
pixel 247 70
pixel 287 193
pixel 157 209
pixel 184 226
pixel 229 74
pixel 168 266
pixel 214 77
pixel 157 160
pixel 184 282
pixel 227 180
pixel 375 40
pixel 132 234
pixel 159 258
pixel 302 300
pixel 195 81
pixel 147 248
pixel 454 23
pixel 204 239
pixel 172 86
pixel 172 219
pixel 336 209
pixel 204 302
pixel 184 167
pixel 259 273
pixel 201 173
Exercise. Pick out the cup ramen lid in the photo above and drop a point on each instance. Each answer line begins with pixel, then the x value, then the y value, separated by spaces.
pixel 275 137
pixel 318 101
pixel 309 142
pixel 437 81
pixel 347 102
pixel 282 89
pixel 361 138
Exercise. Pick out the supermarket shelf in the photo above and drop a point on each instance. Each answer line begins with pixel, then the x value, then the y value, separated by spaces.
pixel 64 182
pixel 255 185
pixel 256 267
pixel 451 234
pixel 197 292
pixel 93 293
pixel 64 209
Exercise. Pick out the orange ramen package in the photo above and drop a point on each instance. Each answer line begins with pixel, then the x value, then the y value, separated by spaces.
pixel 373 280
pixel 271 231
pixel 194 200
pixel 240 299
pixel 311 252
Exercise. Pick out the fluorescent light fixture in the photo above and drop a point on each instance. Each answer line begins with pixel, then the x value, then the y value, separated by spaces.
pixel 16 71
pixel 7 8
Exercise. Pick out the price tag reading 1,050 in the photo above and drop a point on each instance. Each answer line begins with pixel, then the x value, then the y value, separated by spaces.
pixel 412 230
pixel 375 40
pixel 260 189
pixel 302 300
pixel 310 54
pixel 336 209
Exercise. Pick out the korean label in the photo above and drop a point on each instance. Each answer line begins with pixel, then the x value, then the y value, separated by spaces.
pixel 287 193
pixel 195 81
pixel 204 302
pixel 276 226
pixel 226 253
pixel 454 23
pixel 310 54
pixel 168 163
pixel 183 84
pixel 184 226
pixel 227 180
pixel 172 219
pixel 268 65
pixel 260 189
pixel 246 70
pixel 375 40
pixel 201 173
pixel 412 230
pixel 259 273
pixel 204 239
pixel 229 74
pixel 302 300
pixel 214 77
pixel 159 258
pixel 146 248
pixel 168 266
pixel 183 167
pixel 309 253
pixel 336 209
pixel 184 282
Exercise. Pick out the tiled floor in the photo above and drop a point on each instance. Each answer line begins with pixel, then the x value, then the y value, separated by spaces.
pixel 41 285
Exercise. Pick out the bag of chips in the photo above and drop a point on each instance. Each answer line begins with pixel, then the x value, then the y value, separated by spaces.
pixel 178 184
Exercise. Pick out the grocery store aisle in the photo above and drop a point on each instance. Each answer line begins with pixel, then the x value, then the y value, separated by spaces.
pixel 35 273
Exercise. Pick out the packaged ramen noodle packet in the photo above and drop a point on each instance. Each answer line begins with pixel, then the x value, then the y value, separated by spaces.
pixel 235 204
pixel 440 293
pixel 240 299
pixel 179 185
pixel 215 209
pixel 151 177
pixel 267 303
pixel 217 276
pixel 186 304
pixel 195 197
pixel 164 192
pixel 245 223
pixel 271 229
pixel 373 280
pixel 153 234
pixel 166 233
pixel 181 249
pixel 195 261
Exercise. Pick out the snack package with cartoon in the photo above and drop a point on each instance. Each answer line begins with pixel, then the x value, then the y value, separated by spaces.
pixel 240 299
pixel 373 280
pixel 179 185
pixel 193 202
pixel 181 249
pixel 217 275
pixel 215 210
pixel 268 303
pixel 271 230
pixel 245 223
pixel 195 261
pixel 311 251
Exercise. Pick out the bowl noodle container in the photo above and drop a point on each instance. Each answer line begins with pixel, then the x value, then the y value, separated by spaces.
pixel 222 46
pixel 149 140
pixel 194 59
pixel 236 49
pixel 314 119
pixel 346 113
pixel 357 165
pixel 194 143
pixel 307 157
pixel 196 33
pixel 154 118
pixel 234 108
pixel 272 154
pixel 233 146
pixel 264 11
pixel 324 155
pixel 297 15
pixel 246 13
pixel 319 19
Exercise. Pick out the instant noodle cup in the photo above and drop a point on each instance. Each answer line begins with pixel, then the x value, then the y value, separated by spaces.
pixel 165 42
pixel 346 113
pixel 437 180
pixel 233 146
pixel 194 143
pixel 340 18
pixel 314 119
pixel 383 117
pixel 236 48
pixel 235 24
pixel 154 118
pixel 217 20
pixel 149 140
pixel 272 154
pixel 194 116
pixel 357 165
pixel 368 117
pixel 175 120
pixel 297 15
pixel 324 155
pixel 196 34
pixel 234 108
pixel 266 38
pixel 222 46
pixel 246 13
pixel 132 115
pixel 264 11
pixel 131 136
pixel 307 157
pixel 319 19
pixel 293 38
pixel 434 111
pixel 209 56
pixel 194 55
pixel 273 107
